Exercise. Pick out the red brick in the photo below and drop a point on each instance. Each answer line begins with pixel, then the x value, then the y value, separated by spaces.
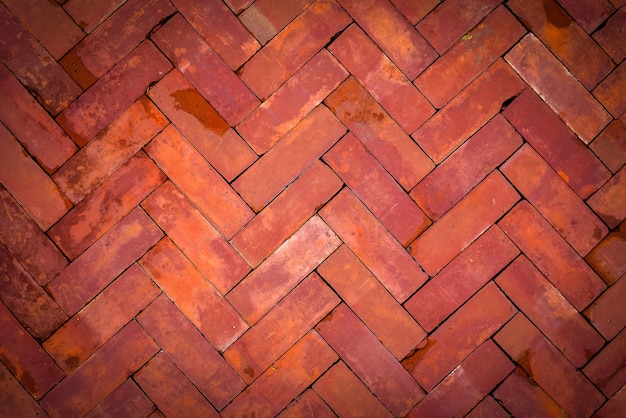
pixel 556 144
pixel 559 204
pixel 377 189
pixel 26 242
pixel 571 101
pixel 113 93
pixel 610 201
pixel 608 259
pixel 42 137
pixel 127 400
pixel 290 375
pixel 212 19
pixel 608 312
pixel 614 406
pixel 265 18
pixel 90 13
pixel 25 359
pixel 14 399
pixel 460 279
pixel 366 296
pixel 370 361
pixel 283 270
pixel 459 227
pixel 283 326
pixel 521 396
pixel 396 36
pixel 104 261
pixel 191 352
pixel 386 82
pixel 238 5
pixel 453 19
pixel 106 205
pixel 590 13
pixel 466 167
pixel 199 182
pixel 612 37
pixel 459 336
pixel 311 138
pixel 308 405
pixel 288 212
pixel 200 123
pixel 548 368
pixel 293 46
pixel 347 395
pixel 488 408
pixel 122 139
pixel 373 245
pixel 414 11
pixel 286 107
pixel 380 134
pixel 611 91
pixel 193 294
pixel 610 145
pixel 608 369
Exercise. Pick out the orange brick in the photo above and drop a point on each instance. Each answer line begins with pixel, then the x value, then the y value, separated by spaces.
pixel 608 313
pixel 127 400
pixel 90 13
pixel 610 145
pixel 193 294
pixel 488 408
pixel 200 123
pixel 199 182
pixel 414 11
pixel 522 396
pixel 366 296
pixel 610 201
pixel 14 399
pixel 265 18
pixel 612 37
pixel 106 205
pixel 608 259
pixel 309 404
pixel 191 352
pixel 283 270
pixel 311 138
pixel 543 72
pixel 380 134
pixel 373 245
pixel 614 406
pixel 607 370
pixel 589 14
pixel 610 91
pixel 104 261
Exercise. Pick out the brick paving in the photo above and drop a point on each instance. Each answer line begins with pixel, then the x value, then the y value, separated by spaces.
pixel 312 208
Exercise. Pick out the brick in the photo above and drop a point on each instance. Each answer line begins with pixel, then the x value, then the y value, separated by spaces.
pixel 609 92
pixel 200 123
pixel 288 105
pixel 611 36
pixel 556 144
pixel 197 298
pixel 308 405
pixel 608 313
pixel 191 352
pixel 608 259
pixel 439 138
pixel 26 242
pixel 383 80
pixel 590 13
pixel 285 214
pixel 459 227
pixel 80 392
pixel 104 261
pixel 571 101
pixel 607 370
pixel 212 19
pixel 373 245
pixel 452 19
pixel 610 201
pixel 216 82
pixel 104 154
pixel 610 145
pixel 366 296
pixel 347 395
pixel 265 18
pixel 25 359
pixel 194 235
pixel 106 205
pixel 311 138
pixel 170 389
pixel 553 198
pixel 113 93
pixel 199 182
pixel 127 400
pixel 283 326
pixel 238 5
pixel 380 134
pixel 521 396
pixel 542 362
pixel 43 138
pixel 90 13
pixel 14 399
pixel 488 408
pixel 293 46
pixel 308 359
pixel 614 406
pixel 414 11
pixel 377 189
pixel 396 37
pixel 460 279
pixel 256 294
pixel 448 183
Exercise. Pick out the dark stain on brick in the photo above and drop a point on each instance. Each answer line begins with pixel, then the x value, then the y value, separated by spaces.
pixel 249 371
pixel 555 14
pixel 192 102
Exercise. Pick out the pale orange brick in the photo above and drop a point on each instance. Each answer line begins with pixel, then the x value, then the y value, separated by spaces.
pixel 265 18
pixel 610 201
pixel 127 400
pixel 608 313
pixel 611 91
pixel 608 369
pixel 14 399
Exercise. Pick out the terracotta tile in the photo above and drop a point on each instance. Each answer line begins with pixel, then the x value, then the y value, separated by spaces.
pixel 522 396
pixel 608 259
pixel 414 11
pixel 488 408
pixel 610 91
pixel 14 399
pixel 373 245
pixel 614 406
pixel 238 5
pixel 380 134
pixel 608 313
pixel 127 400
pixel 610 201
pixel 607 370
pixel 589 14
pixel 90 13
pixel 612 36
pixel 308 405
pixel 265 18
pixel 610 145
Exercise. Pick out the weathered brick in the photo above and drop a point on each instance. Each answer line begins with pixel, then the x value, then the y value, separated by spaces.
pixel 380 134
pixel 614 406
pixel 521 396
pixel 373 245
pixel 610 145
pixel 238 5
pixel 127 400
pixel 610 201
pixel 608 259
pixel 307 405
pixel 90 13
pixel 265 18
pixel 414 11
pixel 283 270
pixel 311 138
pixel 611 91
pixel 14 399
pixel 590 13
pixel 104 261
pixel 488 408
pixel 193 294
pixel 199 182
pixel 608 369
pixel 608 313
pixel 612 37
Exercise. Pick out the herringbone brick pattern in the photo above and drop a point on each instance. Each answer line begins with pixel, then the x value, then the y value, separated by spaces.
pixel 312 208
